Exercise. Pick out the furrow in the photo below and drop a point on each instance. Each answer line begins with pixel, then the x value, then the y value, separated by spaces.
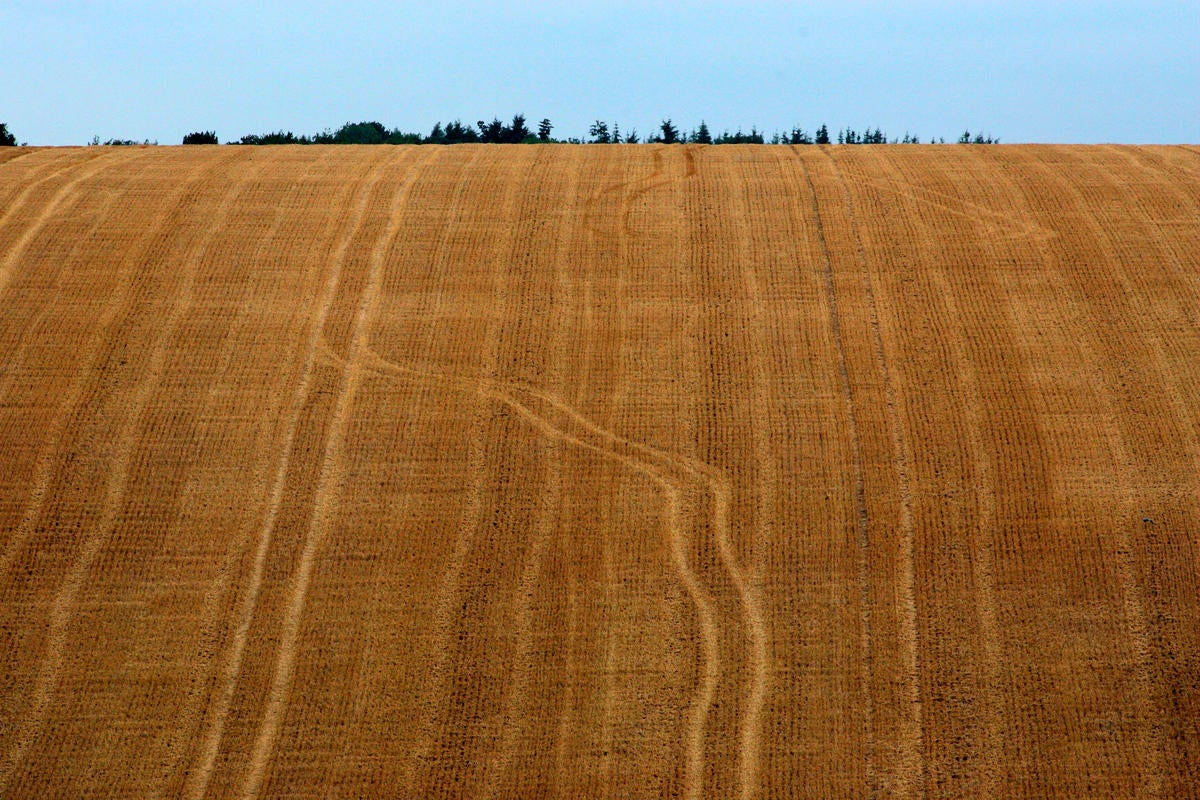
pixel 327 496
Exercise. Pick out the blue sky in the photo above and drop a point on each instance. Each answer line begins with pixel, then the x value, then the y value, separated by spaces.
pixel 1024 71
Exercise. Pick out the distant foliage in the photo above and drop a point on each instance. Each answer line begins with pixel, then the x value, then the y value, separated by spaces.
pixel 851 136
pixel 119 142
pixel 491 132
pixel 276 137
pixel 795 136
pixel 669 135
pixel 6 138
pixel 361 133
pixel 599 132
pixel 496 132
pixel 753 137
pixel 201 137
pixel 978 138
pixel 453 133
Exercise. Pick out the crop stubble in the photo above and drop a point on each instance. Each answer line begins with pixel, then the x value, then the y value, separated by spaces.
pixel 601 471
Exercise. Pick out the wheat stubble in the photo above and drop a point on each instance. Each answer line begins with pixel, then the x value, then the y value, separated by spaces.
pixel 600 471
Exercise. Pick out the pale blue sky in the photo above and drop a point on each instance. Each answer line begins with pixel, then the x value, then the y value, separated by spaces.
pixel 1024 71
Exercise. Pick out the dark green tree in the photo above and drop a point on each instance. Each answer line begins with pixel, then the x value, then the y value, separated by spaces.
pixel 544 128
pixel 397 136
pixel 361 133
pixel 823 134
pixel 201 137
pixel 670 134
pixel 799 136
pixel 457 133
pixel 6 138
pixel 753 137
pixel 599 132
pixel 517 132
pixel 275 137
pixel 702 135
pixel 491 132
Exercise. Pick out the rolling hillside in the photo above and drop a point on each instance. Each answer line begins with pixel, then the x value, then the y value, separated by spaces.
pixel 513 472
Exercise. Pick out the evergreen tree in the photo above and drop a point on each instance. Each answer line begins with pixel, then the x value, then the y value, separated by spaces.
pixel 799 136
pixel 457 133
pixel 702 136
pixel 670 134
pixel 599 132
pixel 823 134
pixel 491 132
pixel 6 138
pixel 517 132
pixel 632 137
pixel 544 128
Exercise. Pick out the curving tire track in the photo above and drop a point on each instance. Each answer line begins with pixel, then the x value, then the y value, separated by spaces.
pixel 54 206
pixel 200 773
pixel 672 474
pixel 328 488
pixel 62 608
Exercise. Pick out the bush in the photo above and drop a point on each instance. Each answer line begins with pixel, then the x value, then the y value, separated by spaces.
pixel 201 137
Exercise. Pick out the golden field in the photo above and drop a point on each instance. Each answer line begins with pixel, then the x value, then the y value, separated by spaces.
pixel 552 471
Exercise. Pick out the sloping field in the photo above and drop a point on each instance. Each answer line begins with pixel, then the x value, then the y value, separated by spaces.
pixel 515 472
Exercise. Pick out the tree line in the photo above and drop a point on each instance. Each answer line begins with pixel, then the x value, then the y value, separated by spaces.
pixel 518 131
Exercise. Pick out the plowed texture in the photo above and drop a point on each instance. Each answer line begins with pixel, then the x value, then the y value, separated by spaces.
pixel 515 472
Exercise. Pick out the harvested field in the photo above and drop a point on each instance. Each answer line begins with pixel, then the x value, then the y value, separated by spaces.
pixel 657 471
